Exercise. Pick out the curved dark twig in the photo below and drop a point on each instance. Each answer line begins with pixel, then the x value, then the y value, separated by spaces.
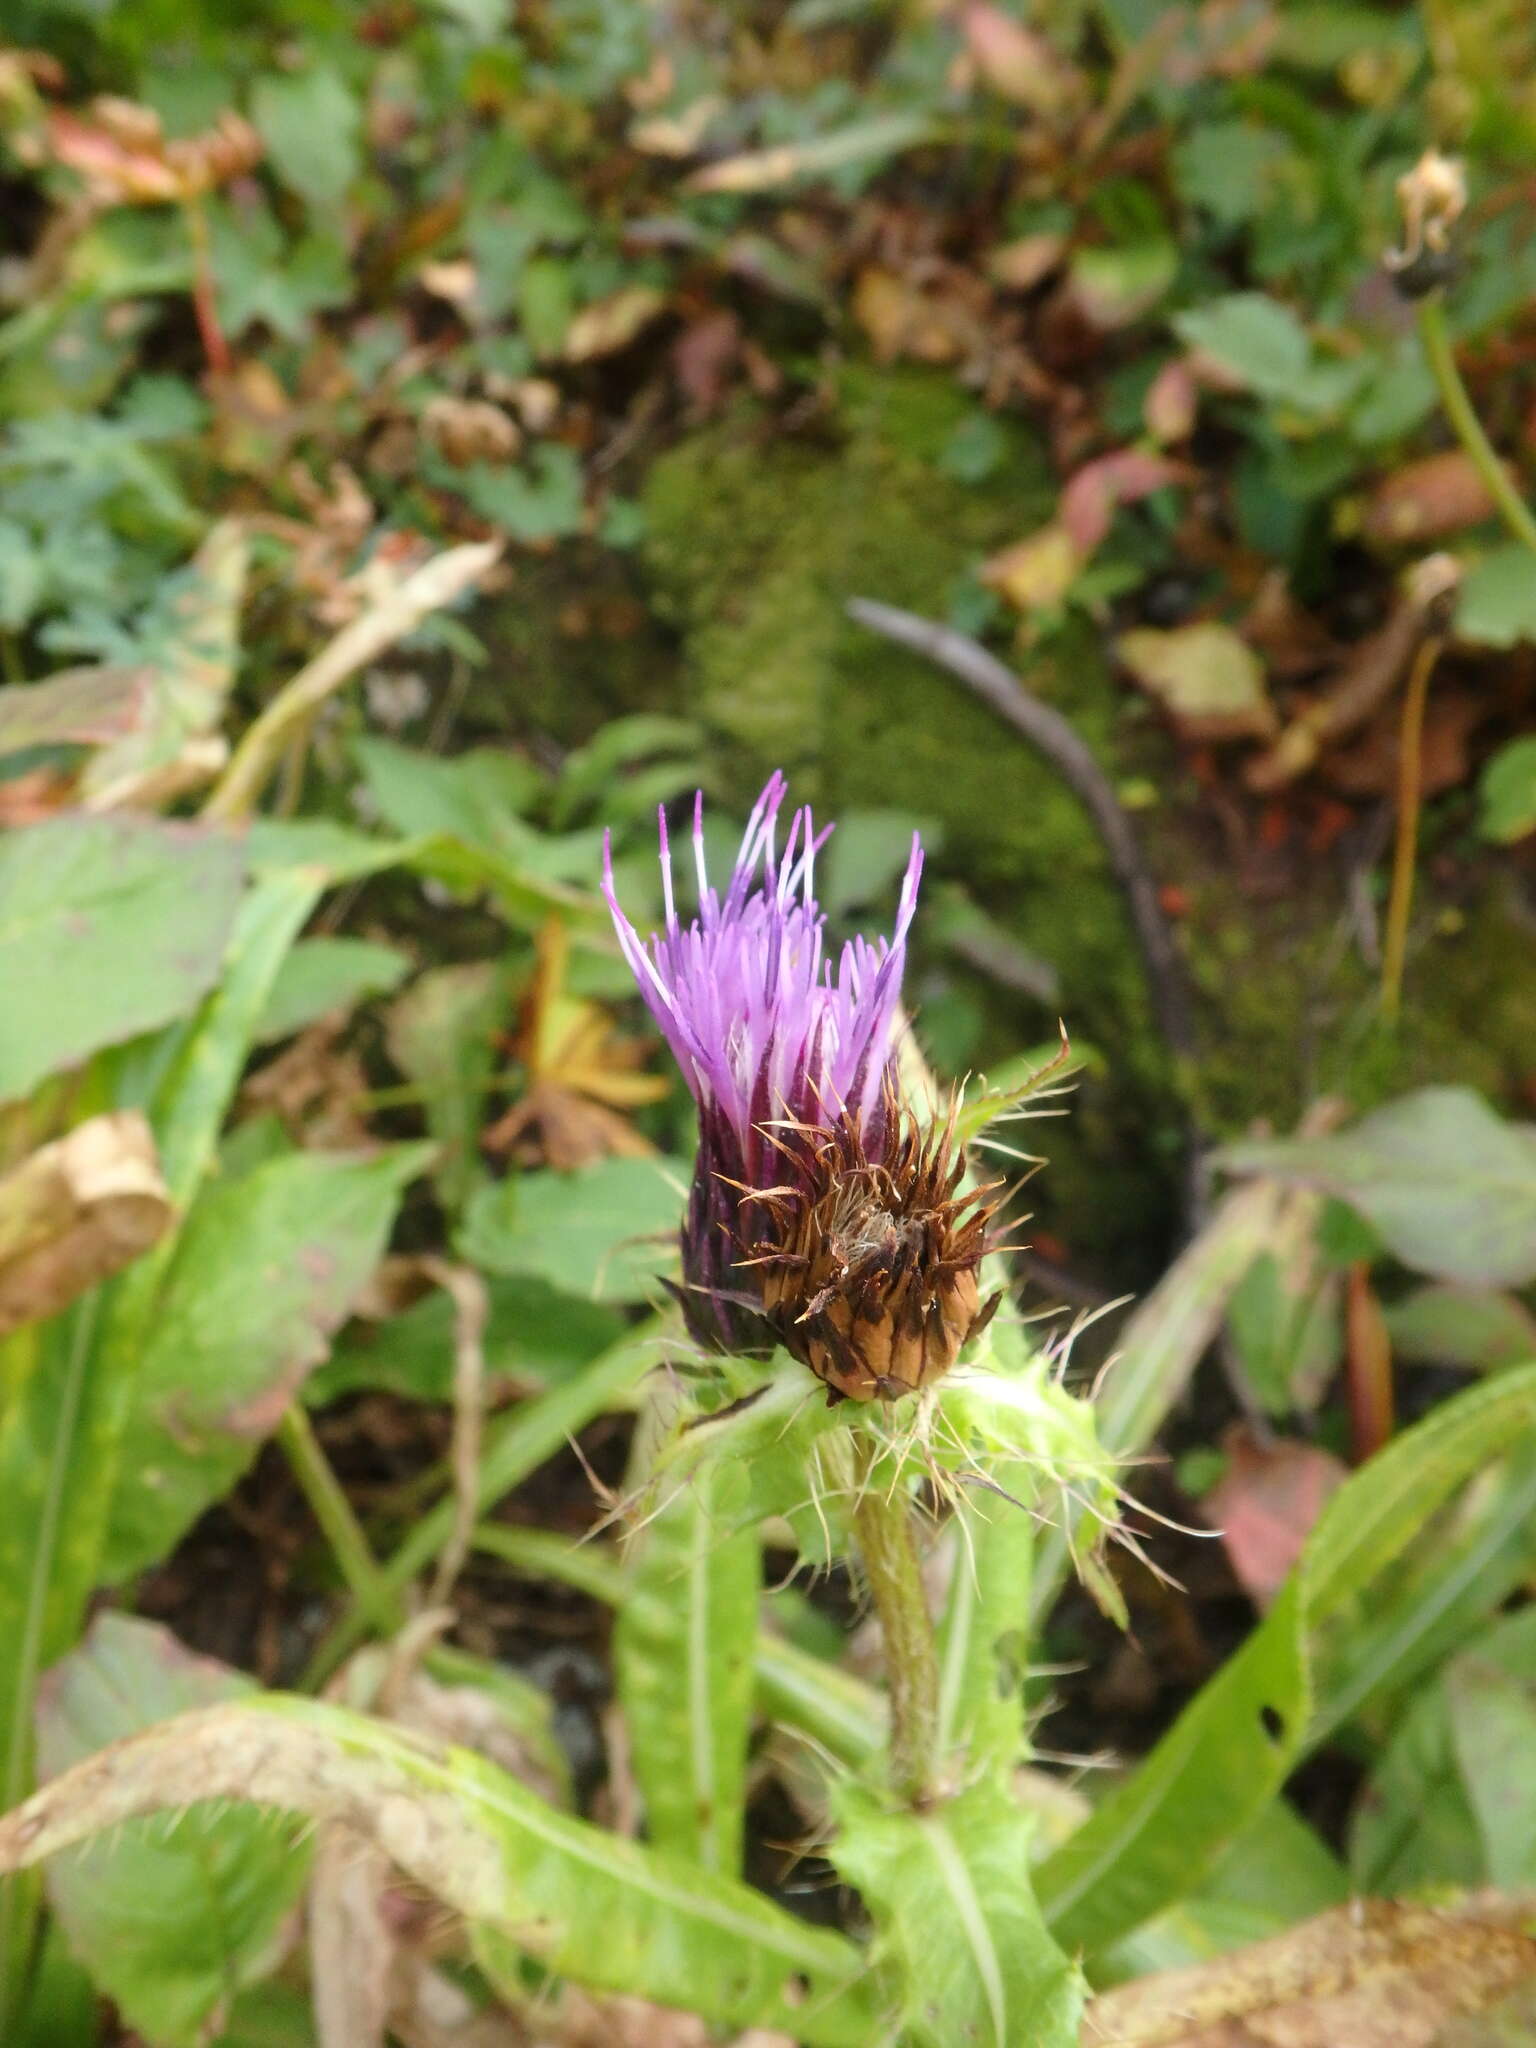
pixel 1051 735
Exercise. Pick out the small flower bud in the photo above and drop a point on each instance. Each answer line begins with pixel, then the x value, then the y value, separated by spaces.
pixel 1433 197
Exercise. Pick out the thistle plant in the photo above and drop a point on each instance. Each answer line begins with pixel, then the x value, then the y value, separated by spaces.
pixel 835 1216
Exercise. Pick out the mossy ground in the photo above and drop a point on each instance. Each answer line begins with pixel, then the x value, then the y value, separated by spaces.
pixel 755 541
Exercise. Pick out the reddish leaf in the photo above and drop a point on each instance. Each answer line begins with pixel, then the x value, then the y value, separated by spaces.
pixel 1090 498
pixel 1266 1504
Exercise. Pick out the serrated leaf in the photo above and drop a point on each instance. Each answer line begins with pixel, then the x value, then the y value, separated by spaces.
pixel 171 1924
pixel 965 1951
pixel 531 1882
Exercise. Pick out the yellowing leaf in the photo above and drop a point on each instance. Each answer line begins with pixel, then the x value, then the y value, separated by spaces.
pixel 1035 572
pixel 609 324
pixel 1210 681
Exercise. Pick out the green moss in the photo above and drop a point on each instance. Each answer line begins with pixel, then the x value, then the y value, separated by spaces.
pixel 756 543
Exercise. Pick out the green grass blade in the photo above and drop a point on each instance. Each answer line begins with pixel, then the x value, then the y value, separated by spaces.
pixel 1161 1831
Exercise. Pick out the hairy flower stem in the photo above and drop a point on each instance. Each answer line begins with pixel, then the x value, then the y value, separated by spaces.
pixel 882 1525
pixel 1462 415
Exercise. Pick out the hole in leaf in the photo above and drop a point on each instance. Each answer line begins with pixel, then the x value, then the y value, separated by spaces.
pixel 1274 1723
pixel 797 1988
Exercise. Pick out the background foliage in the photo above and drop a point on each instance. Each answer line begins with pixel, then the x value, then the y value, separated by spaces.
pixel 434 433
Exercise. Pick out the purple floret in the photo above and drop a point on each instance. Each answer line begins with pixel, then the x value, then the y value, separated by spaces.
pixel 763 1029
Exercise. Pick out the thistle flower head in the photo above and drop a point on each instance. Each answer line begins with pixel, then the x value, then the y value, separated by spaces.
pixel 760 1023
pixel 862 1262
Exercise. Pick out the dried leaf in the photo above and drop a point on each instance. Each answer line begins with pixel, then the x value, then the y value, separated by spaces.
pixel 1361 684
pixel 351 1945
pixel 174 747
pixel 77 707
pixel 611 324
pixel 1172 401
pixel 76 1211
pixel 1019 266
pixel 1018 62
pixel 924 321
pixel 1210 681
pixel 760 170
pixel 1367 1975
pixel 1427 500
pixel 466 430
pixel 124 157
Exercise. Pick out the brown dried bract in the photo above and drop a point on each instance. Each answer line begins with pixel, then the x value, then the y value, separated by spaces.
pixel 869 1265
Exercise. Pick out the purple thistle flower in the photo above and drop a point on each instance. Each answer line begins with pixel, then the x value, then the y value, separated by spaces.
pixel 765 1032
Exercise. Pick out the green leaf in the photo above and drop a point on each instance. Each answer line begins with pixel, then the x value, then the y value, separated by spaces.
pixel 602 1232
pixel 1229 168
pixel 108 927
pixel 544 500
pixel 478 796
pixel 1276 1873
pixel 70 1382
pixel 1447 1802
pixel 323 976
pixel 867 853
pixel 170 1924
pixel 1159 1833
pixel 267 1267
pixel 1506 793
pixel 1496 605
pixel 530 1881
pixel 310 122
pixel 683 1655
pixel 1265 346
pixel 443 1035
pixel 1493 1731
pixel 1477 1328
pixel 1448 1185
pixel 1464 1567
pixel 534 1339
pixel 964 1947
pixel 260 275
